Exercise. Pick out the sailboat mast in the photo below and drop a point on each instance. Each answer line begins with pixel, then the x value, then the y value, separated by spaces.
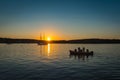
pixel 43 36
pixel 40 36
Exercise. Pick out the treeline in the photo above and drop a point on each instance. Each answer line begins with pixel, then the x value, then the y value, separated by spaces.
pixel 90 41
pixel 10 41
pixel 84 41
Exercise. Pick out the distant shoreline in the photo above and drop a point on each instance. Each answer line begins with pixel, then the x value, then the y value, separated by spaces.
pixel 76 41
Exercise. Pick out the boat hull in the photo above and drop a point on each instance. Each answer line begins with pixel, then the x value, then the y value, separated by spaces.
pixel 80 53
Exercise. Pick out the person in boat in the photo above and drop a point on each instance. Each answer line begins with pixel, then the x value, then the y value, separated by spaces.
pixel 87 50
pixel 83 50
pixel 79 50
pixel 92 52
pixel 75 50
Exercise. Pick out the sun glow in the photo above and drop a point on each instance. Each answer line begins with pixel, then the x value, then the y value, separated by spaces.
pixel 48 39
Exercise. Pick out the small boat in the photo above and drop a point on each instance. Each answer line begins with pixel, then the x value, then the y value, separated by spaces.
pixel 42 43
pixel 42 40
pixel 81 52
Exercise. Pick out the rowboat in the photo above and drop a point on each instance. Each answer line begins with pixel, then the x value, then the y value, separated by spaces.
pixel 81 52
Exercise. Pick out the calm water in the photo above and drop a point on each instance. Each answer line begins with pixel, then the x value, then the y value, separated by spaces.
pixel 52 62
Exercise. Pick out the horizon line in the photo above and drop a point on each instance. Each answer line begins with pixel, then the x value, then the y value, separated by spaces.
pixel 64 39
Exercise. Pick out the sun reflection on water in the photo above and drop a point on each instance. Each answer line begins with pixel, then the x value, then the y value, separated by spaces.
pixel 45 50
pixel 48 50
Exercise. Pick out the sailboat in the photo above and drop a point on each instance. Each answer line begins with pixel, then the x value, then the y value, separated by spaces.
pixel 42 40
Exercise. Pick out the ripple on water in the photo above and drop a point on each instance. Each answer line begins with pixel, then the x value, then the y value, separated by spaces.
pixel 28 62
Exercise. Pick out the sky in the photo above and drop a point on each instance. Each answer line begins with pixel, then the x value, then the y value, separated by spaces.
pixel 60 19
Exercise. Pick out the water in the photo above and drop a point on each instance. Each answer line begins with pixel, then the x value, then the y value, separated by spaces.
pixel 52 62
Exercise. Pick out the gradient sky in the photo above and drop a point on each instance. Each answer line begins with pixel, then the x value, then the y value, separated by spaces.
pixel 60 19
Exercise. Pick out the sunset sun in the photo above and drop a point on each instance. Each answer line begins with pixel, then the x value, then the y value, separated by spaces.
pixel 48 39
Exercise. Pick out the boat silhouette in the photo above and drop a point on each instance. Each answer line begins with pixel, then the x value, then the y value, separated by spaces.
pixel 42 43
pixel 42 40
pixel 81 52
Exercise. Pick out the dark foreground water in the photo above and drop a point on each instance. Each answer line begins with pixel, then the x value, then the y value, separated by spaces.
pixel 52 62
